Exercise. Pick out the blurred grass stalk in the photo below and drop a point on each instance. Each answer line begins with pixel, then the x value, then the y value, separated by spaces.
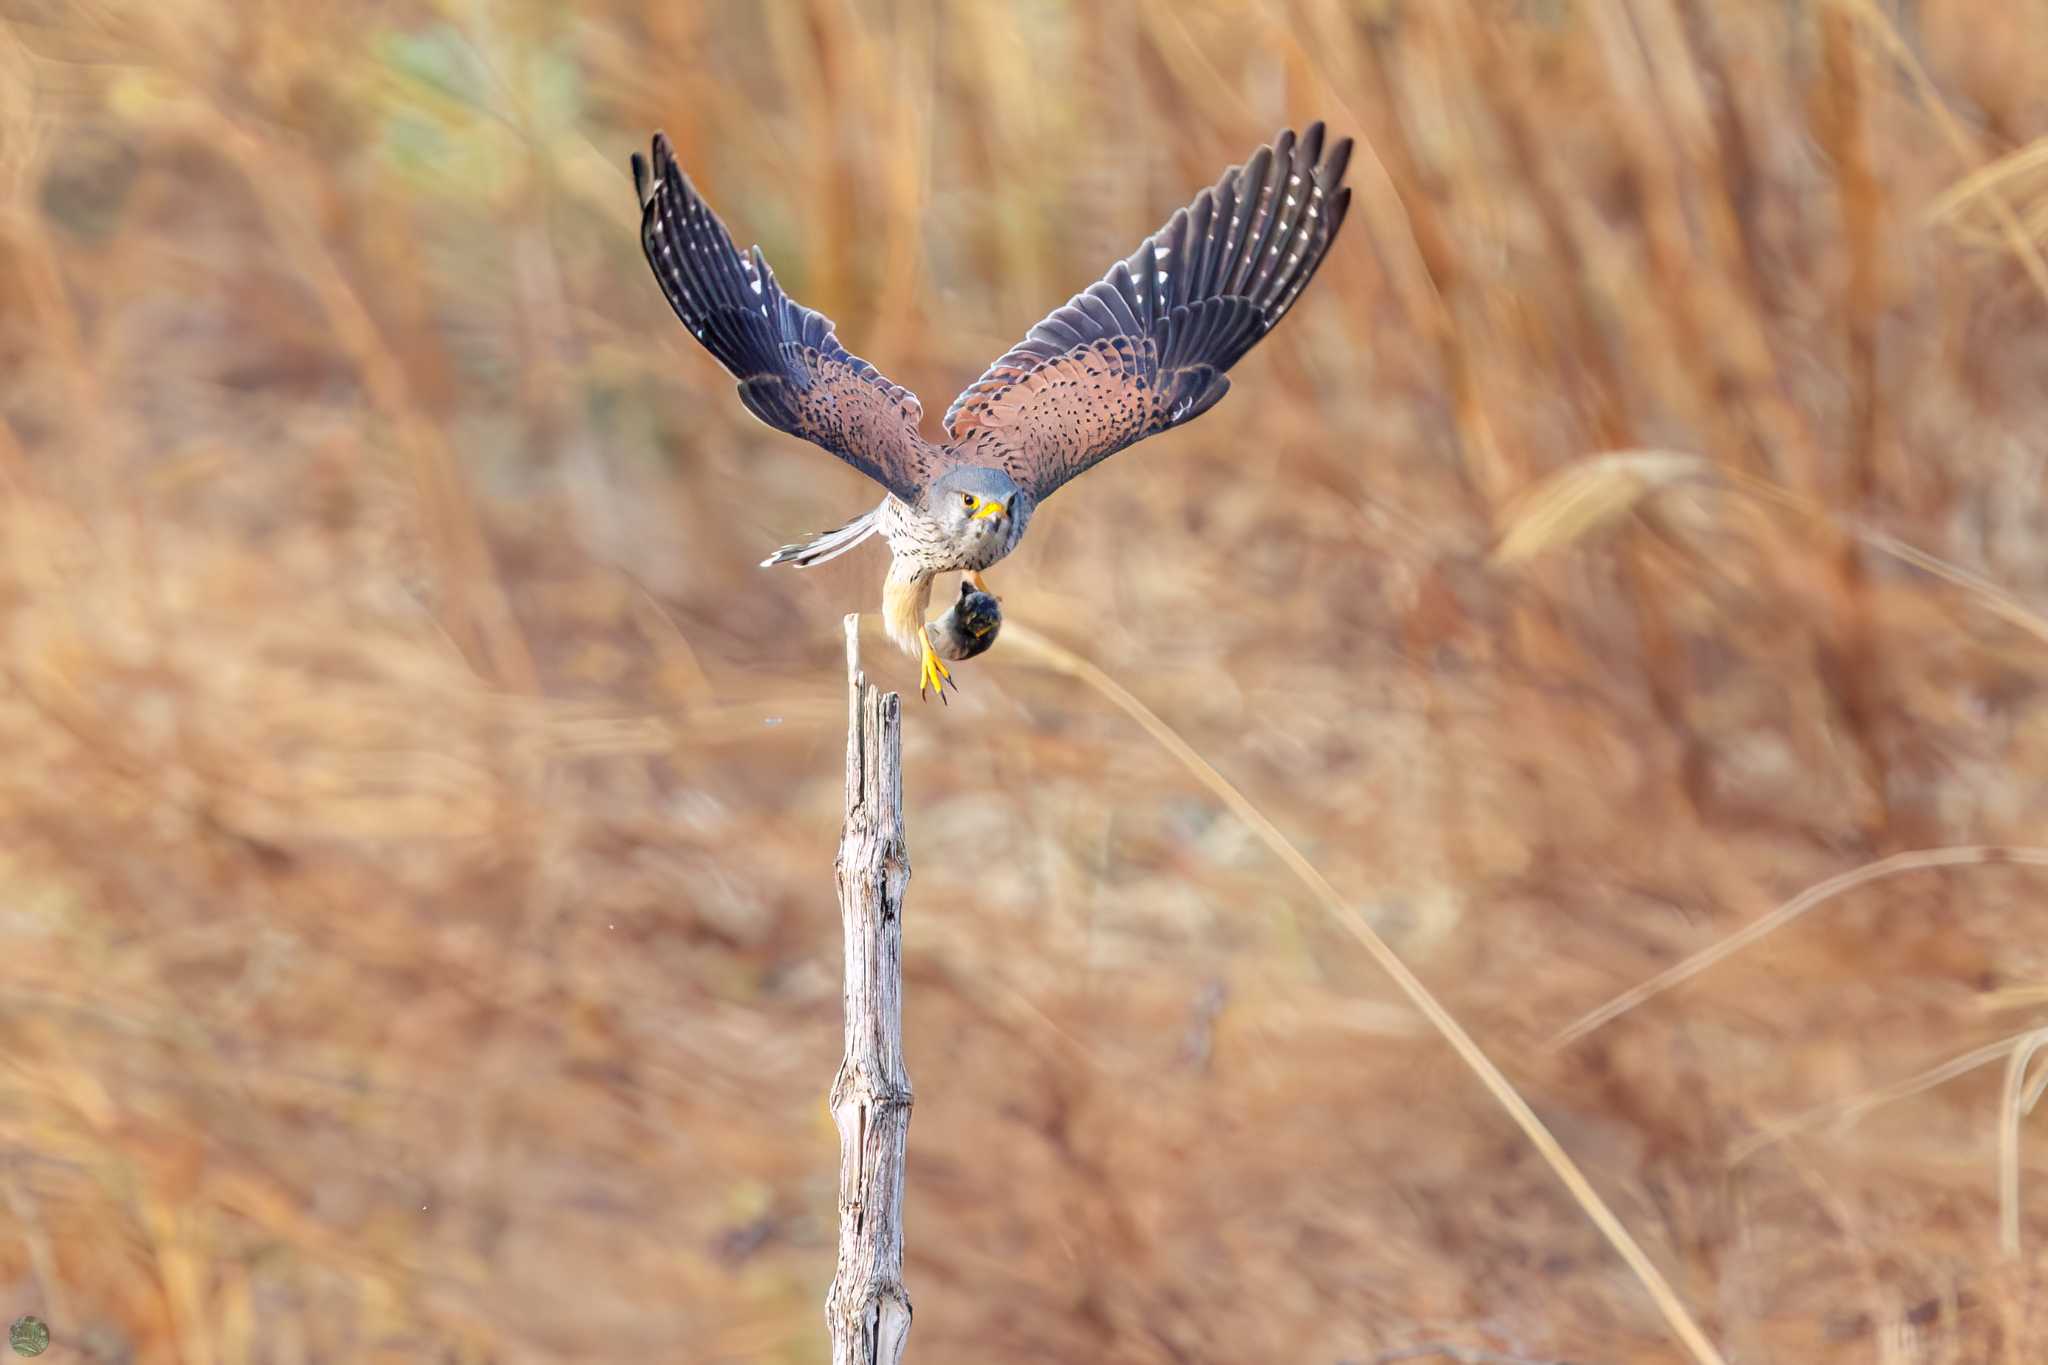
pixel 1348 918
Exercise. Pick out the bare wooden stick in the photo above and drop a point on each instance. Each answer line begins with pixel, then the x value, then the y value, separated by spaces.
pixel 868 1308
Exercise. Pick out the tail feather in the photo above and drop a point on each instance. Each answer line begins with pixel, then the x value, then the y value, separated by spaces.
pixel 829 545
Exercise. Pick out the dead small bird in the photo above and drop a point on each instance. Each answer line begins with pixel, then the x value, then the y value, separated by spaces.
pixel 969 626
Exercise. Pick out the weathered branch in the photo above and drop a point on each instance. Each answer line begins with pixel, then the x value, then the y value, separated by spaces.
pixel 867 1308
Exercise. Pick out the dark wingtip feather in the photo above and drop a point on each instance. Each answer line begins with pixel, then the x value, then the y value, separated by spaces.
pixel 1309 150
pixel 650 173
pixel 1336 163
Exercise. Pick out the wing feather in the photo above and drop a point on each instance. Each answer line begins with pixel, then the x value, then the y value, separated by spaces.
pixel 794 375
pixel 1147 347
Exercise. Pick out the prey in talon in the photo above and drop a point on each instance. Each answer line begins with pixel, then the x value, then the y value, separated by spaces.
pixel 970 625
pixel 968 628
pixel 1143 349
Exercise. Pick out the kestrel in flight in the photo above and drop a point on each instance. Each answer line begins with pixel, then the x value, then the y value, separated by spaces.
pixel 1143 349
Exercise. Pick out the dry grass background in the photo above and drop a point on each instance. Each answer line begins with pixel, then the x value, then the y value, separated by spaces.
pixel 416 813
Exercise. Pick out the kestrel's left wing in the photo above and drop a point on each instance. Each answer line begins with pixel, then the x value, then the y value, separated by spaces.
pixel 1146 348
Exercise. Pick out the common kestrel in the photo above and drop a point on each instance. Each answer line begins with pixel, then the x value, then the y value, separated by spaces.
pixel 1143 349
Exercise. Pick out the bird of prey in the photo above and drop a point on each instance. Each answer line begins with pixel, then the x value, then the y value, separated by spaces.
pixel 1143 349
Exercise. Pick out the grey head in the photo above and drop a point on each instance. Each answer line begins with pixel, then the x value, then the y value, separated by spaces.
pixel 972 502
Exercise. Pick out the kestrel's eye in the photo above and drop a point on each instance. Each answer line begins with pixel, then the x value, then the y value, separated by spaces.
pixel 967 501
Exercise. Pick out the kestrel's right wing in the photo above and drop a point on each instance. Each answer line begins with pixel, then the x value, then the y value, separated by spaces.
pixel 1146 348
pixel 794 375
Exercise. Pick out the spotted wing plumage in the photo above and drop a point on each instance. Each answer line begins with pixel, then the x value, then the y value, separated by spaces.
pixel 794 375
pixel 1146 348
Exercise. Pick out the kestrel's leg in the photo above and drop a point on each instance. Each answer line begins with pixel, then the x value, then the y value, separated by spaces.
pixel 906 593
pixel 981 586
pixel 935 675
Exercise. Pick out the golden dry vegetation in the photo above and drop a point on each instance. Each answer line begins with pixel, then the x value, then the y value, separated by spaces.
pixel 417 810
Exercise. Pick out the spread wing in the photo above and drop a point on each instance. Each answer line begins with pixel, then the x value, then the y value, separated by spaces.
pixel 794 375
pixel 1146 348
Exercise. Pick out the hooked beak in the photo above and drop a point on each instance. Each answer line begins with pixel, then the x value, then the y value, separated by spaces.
pixel 991 508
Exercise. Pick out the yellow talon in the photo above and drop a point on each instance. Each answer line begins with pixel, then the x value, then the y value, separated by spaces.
pixel 935 675
pixel 980 586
